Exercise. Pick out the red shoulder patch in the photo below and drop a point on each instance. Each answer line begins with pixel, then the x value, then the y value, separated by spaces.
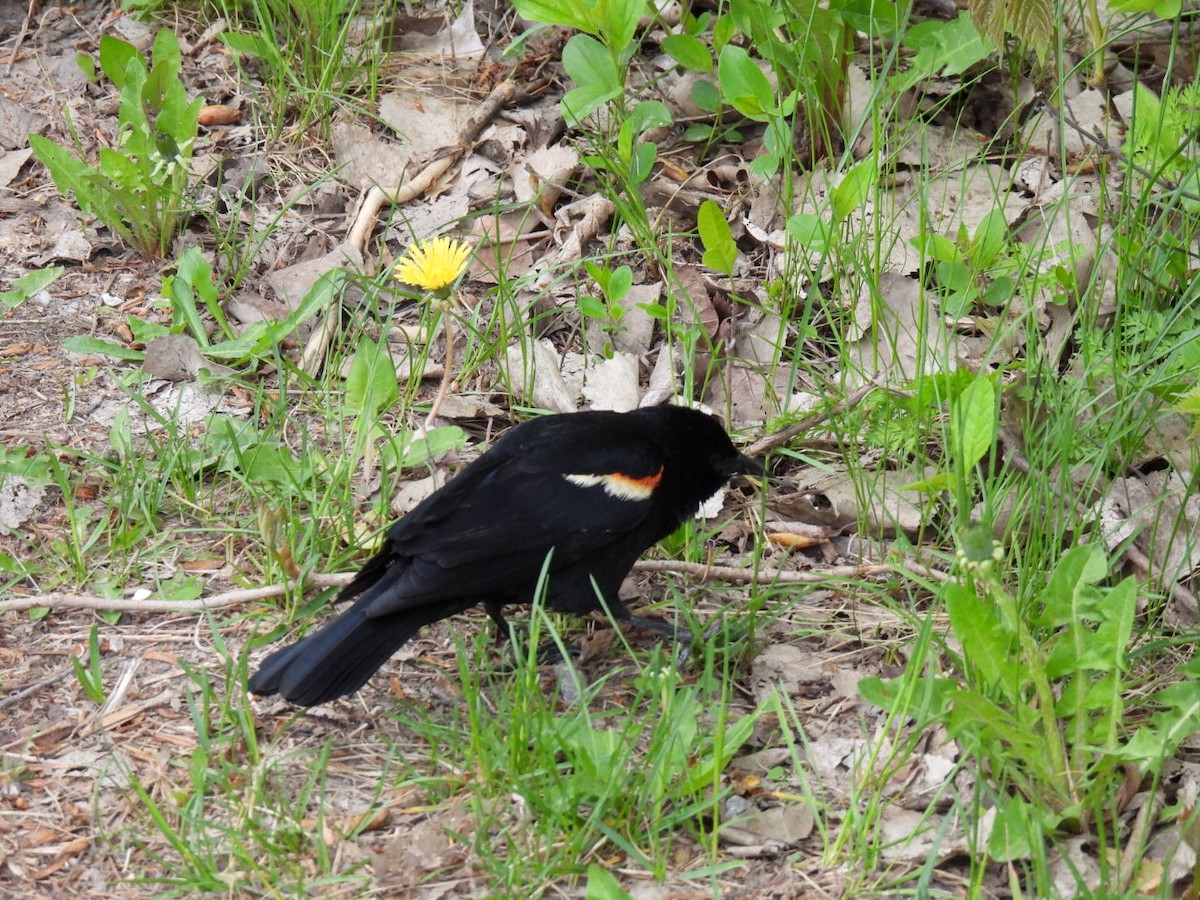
pixel 620 485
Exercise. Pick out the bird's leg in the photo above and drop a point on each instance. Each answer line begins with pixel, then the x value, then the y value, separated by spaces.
pixel 622 614
pixel 656 625
pixel 495 611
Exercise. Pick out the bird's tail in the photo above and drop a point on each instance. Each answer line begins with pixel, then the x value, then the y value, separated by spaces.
pixel 338 659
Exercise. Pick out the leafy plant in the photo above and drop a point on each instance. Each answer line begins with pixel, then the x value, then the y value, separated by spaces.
pixel 139 188
pixel 370 389
pixel 974 268
pixel 598 58
pixel 192 292
pixel 1040 693
pixel 29 285
pixel 606 309
pixel 91 676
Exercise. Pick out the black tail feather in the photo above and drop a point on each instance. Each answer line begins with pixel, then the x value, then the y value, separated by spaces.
pixel 342 656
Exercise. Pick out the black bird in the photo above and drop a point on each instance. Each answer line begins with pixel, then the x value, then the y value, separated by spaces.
pixel 591 490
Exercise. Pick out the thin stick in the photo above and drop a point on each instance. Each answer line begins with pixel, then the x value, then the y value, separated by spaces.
pixel 779 438
pixel 782 576
pixel 57 600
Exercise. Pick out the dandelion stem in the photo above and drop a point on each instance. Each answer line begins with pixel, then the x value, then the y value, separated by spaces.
pixel 447 371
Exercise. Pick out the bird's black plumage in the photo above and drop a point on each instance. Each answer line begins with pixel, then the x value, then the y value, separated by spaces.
pixel 594 488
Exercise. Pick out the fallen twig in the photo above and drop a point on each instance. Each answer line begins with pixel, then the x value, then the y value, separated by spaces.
pixel 783 576
pixel 377 197
pixel 226 599
pixel 61 600
pixel 779 438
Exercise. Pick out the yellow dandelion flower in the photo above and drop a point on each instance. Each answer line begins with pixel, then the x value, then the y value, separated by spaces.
pixel 433 265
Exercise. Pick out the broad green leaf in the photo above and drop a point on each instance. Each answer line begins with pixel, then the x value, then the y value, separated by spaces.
pixel 603 885
pixel 854 188
pixel 937 247
pixel 25 463
pixel 989 239
pixel 942 48
pixel 371 383
pixel 618 21
pixel 619 283
pixel 30 284
pixel 942 481
pixel 986 645
pixel 649 114
pixel 115 56
pixel 706 95
pixel 928 698
pixel 642 163
pixel 879 18
pixel 744 85
pixel 720 251
pixel 592 307
pixel 1063 599
pixel 1164 9
pixel 86 344
pixel 973 426
pixel 408 451
pixel 592 68
pixel 1031 21
pixel 249 45
pixel 688 51
pixel 810 232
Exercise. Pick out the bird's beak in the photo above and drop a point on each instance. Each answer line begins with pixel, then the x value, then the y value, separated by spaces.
pixel 744 465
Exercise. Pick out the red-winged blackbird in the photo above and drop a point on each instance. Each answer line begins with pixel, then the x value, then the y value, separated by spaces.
pixel 591 490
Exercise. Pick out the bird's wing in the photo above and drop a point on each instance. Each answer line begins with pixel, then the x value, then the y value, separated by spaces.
pixel 489 531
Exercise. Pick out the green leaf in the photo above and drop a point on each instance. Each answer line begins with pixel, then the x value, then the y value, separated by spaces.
pixel 649 114
pixel 942 48
pixel 810 231
pixel 854 188
pixel 115 57
pixel 87 66
pixel 688 51
pixel 252 45
pixel 705 770
pixel 592 307
pixel 986 644
pixel 1062 600
pixel 1164 9
pixel 936 247
pixel 592 68
pixel 1031 21
pixel 618 21
pixel 618 284
pixel 86 344
pixel 928 696
pixel 578 15
pixel 879 18
pixel 642 163
pixel 30 285
pixel 706 96
pixel 744 85
pixel 942 481
pixel 603 885
pixel 408 451
pixel 25 463
pixel 720 251
pixel 991 235
pixel 973 426
pixel 371 383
